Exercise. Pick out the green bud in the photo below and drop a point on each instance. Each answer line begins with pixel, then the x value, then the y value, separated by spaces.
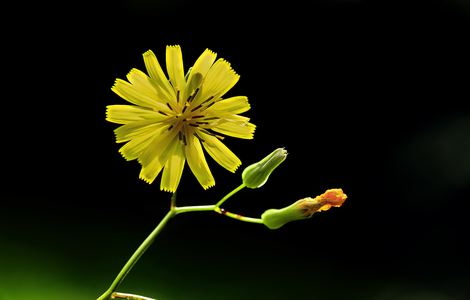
pixel 256 175
pixel 276 218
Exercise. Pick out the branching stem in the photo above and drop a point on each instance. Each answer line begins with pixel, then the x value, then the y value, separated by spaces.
pixel 174 210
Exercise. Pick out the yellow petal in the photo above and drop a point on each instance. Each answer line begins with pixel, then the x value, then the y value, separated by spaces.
pixel 242 131
pixel 225 117
pixel 220 78
pixel 123 114
pixel 219 152
pixel 173 168
pixel 159 78
pixel 128 131
pixel 136 146
pixel 138 97
pixel 199 71
pixel 234 105
pixel 146 85
pixel 197 162
pixel 231 118
pixel 174 66
pixel 151 171
pixel 155 155
pixel 158 145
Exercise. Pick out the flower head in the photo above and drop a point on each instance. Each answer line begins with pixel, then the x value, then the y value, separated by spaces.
pixel 171 120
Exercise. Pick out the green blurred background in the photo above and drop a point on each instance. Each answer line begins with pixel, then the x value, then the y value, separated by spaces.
pixel 369 97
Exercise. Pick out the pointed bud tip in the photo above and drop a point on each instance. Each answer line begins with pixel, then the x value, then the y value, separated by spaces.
pixel 256 175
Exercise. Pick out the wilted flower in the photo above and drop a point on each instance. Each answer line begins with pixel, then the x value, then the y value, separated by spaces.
pixel 303 209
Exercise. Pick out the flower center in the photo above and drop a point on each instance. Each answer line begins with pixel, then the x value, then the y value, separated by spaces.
pixel 187 118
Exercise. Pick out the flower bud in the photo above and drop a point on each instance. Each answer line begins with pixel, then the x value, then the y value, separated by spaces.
pixel 303 209
pixel 256 175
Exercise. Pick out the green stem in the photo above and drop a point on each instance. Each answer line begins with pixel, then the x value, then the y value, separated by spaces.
pixel 136 256
pixel 237 216
pixel 222 211
pixel 126 296
pixel 236 190
pixel 184 209
pixel 110 293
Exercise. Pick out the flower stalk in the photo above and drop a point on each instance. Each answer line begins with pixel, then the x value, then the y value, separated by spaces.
pixel 127 296
pixel 174 210
pixel 137 255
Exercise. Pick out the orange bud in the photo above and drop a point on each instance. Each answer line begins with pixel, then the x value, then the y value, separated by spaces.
pixel 303 208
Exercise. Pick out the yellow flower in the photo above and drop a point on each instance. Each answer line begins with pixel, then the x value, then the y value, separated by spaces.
pixel 172 120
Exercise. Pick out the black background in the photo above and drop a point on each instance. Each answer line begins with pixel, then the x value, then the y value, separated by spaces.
pixel 371 97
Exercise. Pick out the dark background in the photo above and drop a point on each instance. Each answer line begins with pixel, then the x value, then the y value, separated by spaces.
pixel 371 97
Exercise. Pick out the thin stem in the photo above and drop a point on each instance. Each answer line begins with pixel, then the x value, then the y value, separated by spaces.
pixel 137 254
pixel 237 216
pixel 184 209
pixel 230 195
pixel 173 201
pixel 110 293
pixel 117 295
